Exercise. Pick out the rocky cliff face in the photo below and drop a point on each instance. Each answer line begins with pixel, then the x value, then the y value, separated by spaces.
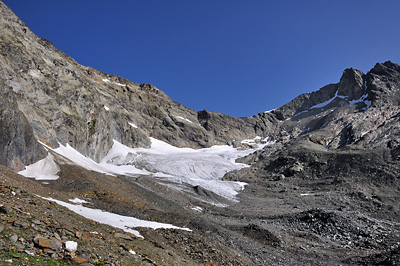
pixel 64 102
pixel 67 103
pixel 349 112
pixel 18 145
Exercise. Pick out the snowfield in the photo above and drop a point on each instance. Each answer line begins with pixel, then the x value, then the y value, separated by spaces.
pixel 201 167
pixel 125 223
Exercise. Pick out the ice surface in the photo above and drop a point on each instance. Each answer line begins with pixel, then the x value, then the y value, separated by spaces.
pixel 72 154
pixel 125 223
pixel 45 169
pixel 201 167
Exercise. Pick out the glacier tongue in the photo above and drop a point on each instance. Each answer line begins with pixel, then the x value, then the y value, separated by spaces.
pixel 202 167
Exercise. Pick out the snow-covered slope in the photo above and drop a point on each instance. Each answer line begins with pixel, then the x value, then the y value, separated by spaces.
pixel 125 223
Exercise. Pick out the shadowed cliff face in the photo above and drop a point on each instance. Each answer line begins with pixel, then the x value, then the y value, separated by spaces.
pixel 18 146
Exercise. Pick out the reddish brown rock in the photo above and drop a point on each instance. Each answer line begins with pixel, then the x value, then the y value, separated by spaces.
pixel 50 243
pixel 79 259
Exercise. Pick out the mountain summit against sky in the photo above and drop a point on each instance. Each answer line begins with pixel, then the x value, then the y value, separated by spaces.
pixel 314 182
pixel 234 57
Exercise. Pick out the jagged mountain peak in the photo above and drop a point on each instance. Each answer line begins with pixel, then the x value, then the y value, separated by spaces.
pixel 385 68
pixel 351 84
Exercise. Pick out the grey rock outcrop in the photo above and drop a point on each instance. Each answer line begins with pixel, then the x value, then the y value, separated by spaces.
pixel 18 146
pixel 351 84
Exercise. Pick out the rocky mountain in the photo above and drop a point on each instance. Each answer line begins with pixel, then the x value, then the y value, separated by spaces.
pixel 65 102
pixel 321 186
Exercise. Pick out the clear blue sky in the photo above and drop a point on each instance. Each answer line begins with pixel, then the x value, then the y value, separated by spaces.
pixel 235 57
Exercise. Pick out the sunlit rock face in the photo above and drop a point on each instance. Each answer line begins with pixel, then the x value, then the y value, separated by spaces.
pixel 65 102
pixel 57 101
pixel 314 182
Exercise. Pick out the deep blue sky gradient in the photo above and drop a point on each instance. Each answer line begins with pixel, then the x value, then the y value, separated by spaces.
pixel 235 57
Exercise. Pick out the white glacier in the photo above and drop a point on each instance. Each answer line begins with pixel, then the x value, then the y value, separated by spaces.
pixel 201 167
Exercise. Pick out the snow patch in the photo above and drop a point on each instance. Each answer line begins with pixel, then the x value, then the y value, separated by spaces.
pixel 107 109
pixel 265 112
pixel 71 245
pixel 321 105
pixel 106 80
pixel 125 223
pixel 78 201
pixel 363 99
pixel 45 169
pixel 182 118
pixel 197 208
pixel 132 125
pixel 119 84
pixel 257 140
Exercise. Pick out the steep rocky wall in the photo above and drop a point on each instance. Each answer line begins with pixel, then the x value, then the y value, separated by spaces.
pixel 67 103
pixel 18 145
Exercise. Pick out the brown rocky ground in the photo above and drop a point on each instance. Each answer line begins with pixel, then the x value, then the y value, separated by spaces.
pixel 24 217
pixel 303 206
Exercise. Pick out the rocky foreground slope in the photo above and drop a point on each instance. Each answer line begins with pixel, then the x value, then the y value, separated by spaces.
pixel 325 193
